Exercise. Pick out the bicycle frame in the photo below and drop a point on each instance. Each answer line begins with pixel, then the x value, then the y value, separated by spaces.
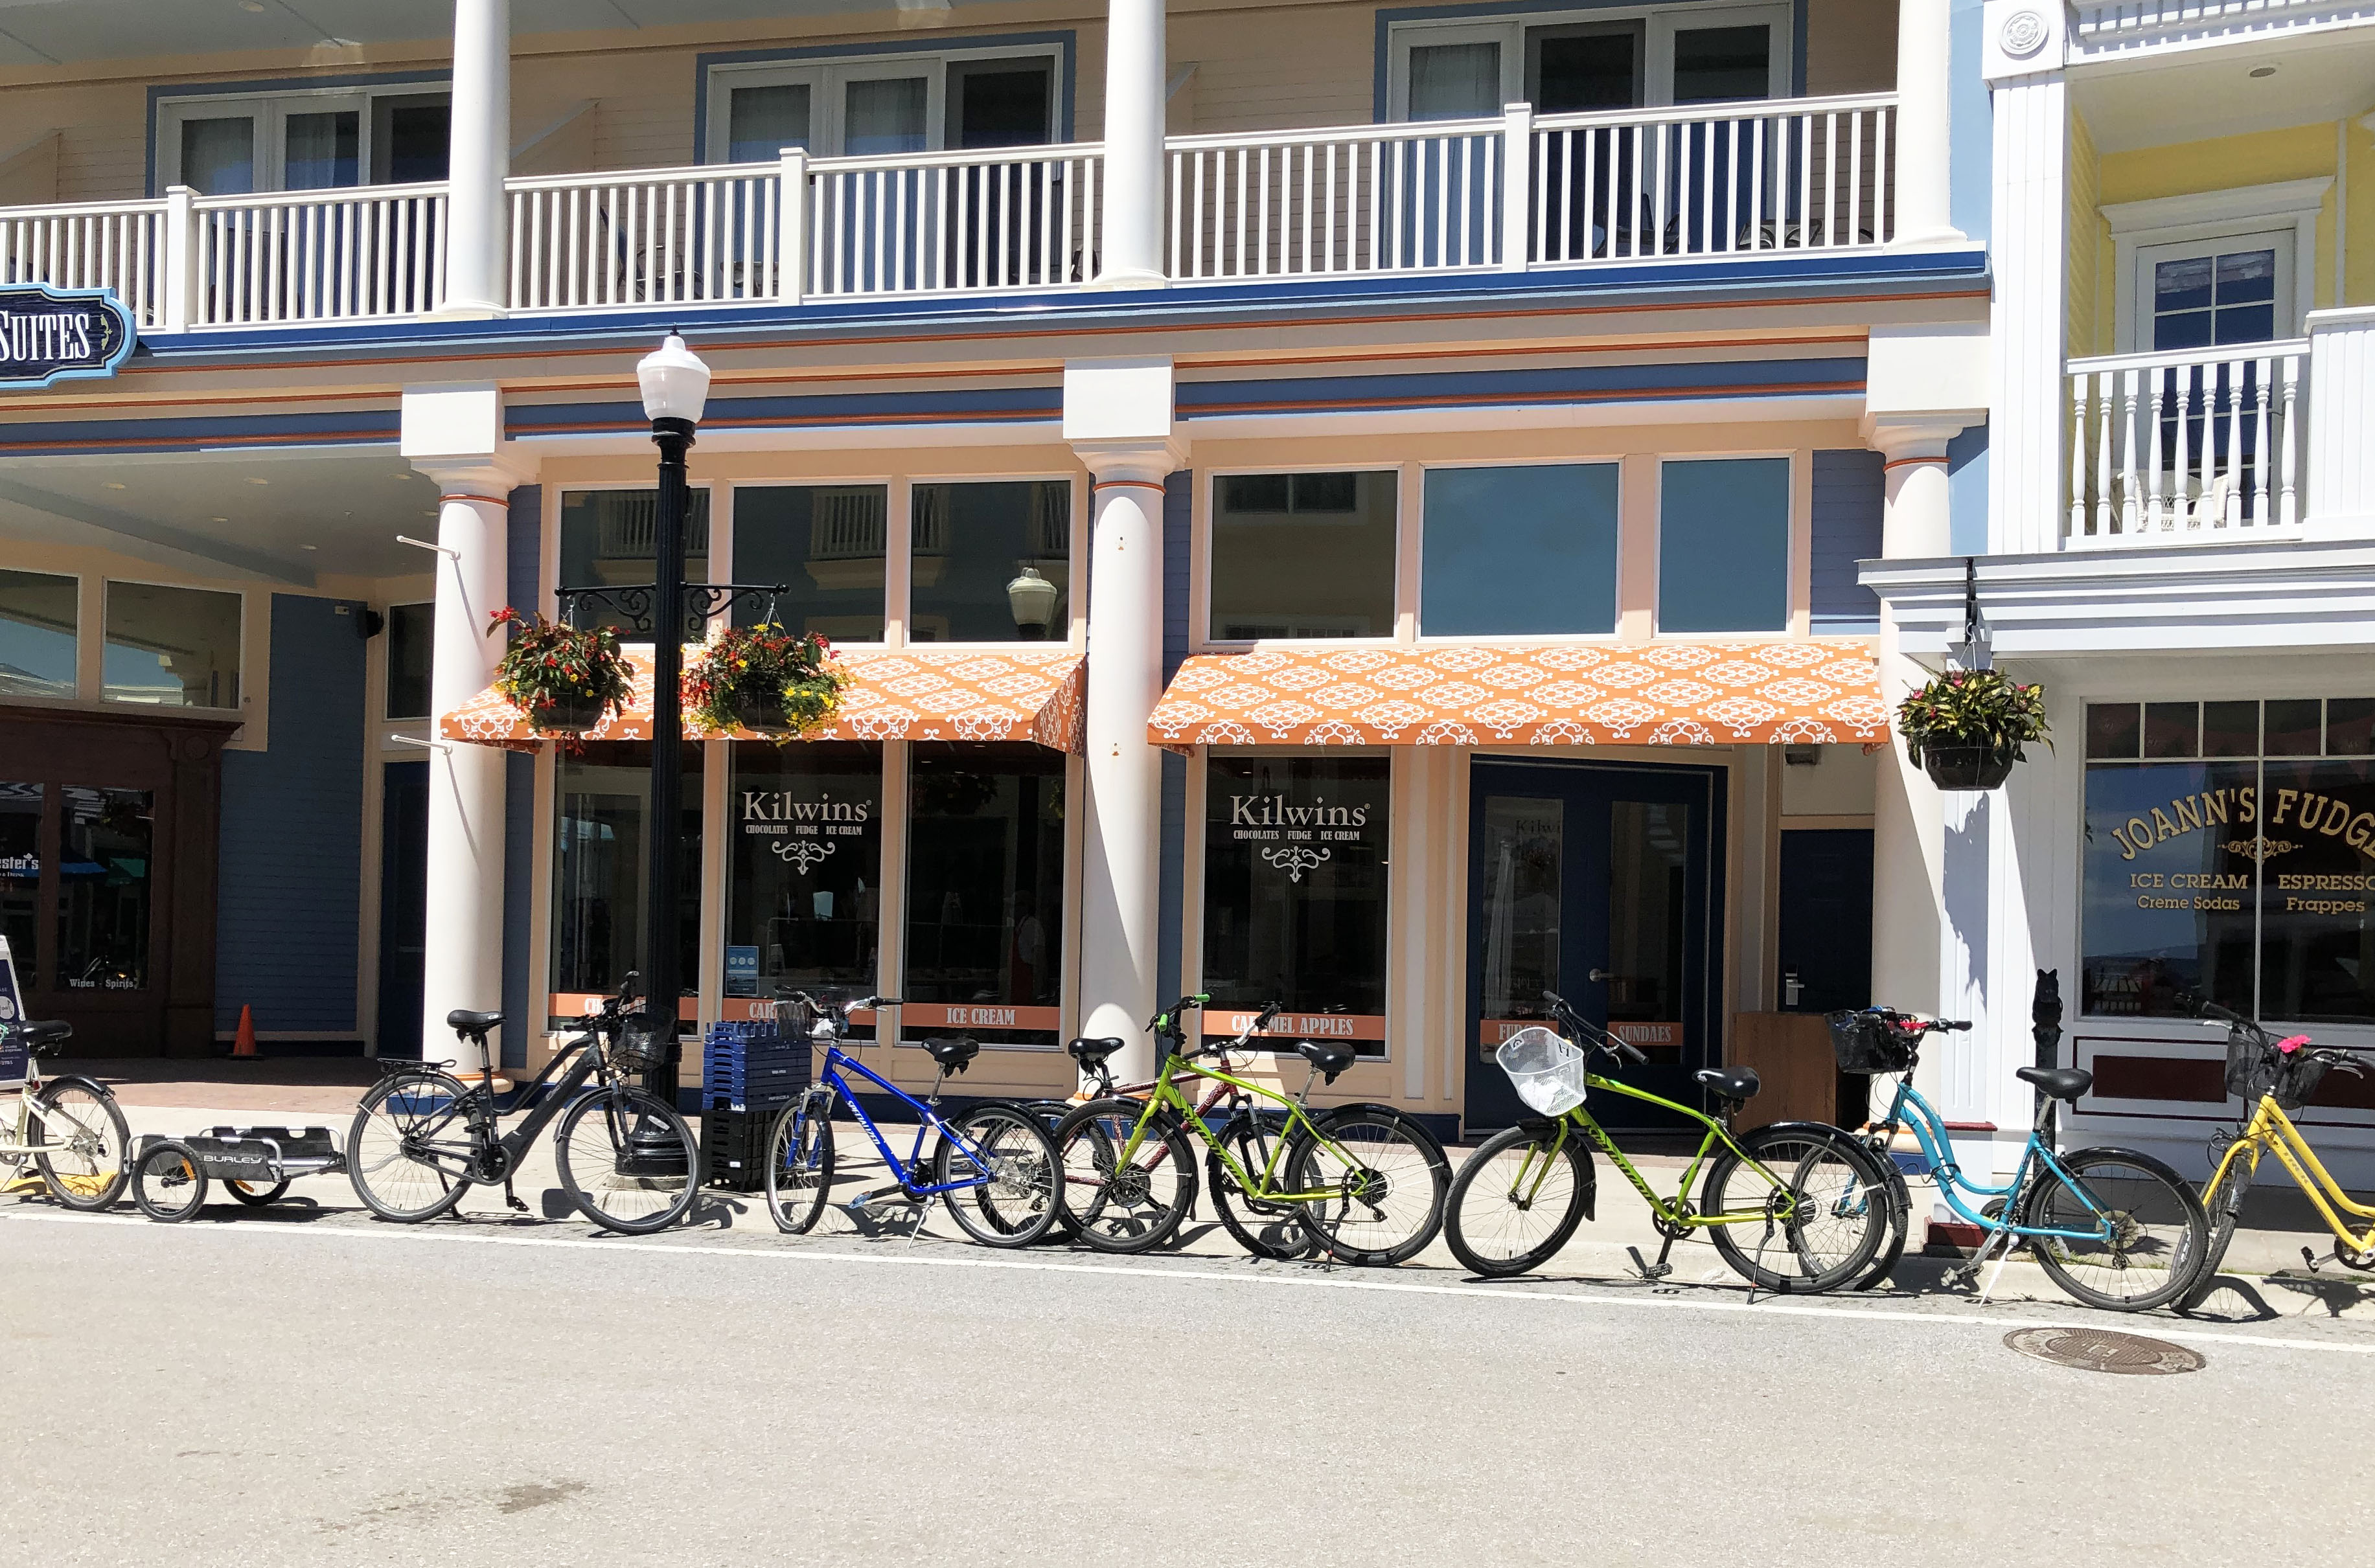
pixel 1166 1092
pixel 17 1145
pixel 1930 1131
pixel 928 1120
pixel 1675 1210
pixel 2271 1131
pixel 583 1060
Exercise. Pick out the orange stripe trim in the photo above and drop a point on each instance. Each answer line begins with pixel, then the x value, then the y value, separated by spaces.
pixel 1908 462
pixel 1126 484
pixel 466 495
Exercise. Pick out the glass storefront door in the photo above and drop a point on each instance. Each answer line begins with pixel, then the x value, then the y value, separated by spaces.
pixel 985 894
pixel 804 873
pixel 1601 883
pixel 600 860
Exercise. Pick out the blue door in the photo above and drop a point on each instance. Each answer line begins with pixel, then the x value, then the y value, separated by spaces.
pixel 1600 882
pixel 403 906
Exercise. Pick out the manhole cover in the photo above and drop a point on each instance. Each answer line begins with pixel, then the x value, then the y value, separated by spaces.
pixel 2093 1350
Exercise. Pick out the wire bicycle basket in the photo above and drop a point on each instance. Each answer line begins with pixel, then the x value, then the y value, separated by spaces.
pixel 1867 1043
pixel 639 1045
pixel 1547 1072
pixel 2254 1070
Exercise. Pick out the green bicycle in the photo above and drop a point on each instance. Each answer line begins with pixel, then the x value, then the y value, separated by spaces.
pixel 1365 1182
pixel 1814 1225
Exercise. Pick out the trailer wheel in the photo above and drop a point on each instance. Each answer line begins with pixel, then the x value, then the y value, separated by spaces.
pixel 168 1182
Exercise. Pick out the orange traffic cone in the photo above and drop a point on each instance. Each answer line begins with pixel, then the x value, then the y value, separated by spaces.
pixel 243 1043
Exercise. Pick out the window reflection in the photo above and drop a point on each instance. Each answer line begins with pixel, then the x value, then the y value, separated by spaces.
pixel 20 873
pixel 600 861
pixel 1525 840
pixel 171 647
pixel 825 545
pixel 985 894
pixel 976 547
pixel 38 618
pixel 804 871
pixel 103 874
pixel 609 539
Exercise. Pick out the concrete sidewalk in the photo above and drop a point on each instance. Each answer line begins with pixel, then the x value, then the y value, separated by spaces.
pixel 2266 1280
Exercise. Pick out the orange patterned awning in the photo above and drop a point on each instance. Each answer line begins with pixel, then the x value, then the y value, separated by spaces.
pixel 1549 694
pixel 894 694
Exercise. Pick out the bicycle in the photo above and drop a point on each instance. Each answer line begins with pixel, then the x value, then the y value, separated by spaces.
pixel 627 1161
pixel 1273 1231
pixel 2125 1218
pixel 1366 1181
pixel 2275 1077
pixel 1522 1194
pixel 67 1126
pixel 994 1151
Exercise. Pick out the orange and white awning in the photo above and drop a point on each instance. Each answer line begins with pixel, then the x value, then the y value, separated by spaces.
pixel 1801 692
pixel 894 694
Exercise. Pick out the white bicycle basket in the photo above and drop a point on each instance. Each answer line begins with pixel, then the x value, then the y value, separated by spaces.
pixel 1546 1071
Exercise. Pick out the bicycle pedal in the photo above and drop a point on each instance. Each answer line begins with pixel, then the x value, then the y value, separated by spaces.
pixel 1648 1269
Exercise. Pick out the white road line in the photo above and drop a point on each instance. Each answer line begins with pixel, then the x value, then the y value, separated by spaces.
pixel 1769 1306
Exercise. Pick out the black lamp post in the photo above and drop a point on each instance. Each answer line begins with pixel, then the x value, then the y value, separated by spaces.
pixel 675 386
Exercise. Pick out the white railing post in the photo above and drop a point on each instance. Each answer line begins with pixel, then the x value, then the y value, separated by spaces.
pixel 2337 495
pixel 792 226
pixel 1517 186
pixel 179 292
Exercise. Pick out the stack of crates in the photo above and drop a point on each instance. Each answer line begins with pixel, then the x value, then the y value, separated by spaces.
pixel 749 1071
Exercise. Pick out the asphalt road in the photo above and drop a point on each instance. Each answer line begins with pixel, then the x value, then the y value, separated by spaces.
pixel 276 1388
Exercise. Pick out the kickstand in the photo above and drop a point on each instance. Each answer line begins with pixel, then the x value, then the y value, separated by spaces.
pixel 917 1229
pixel 1969 1272
pixel 1653 1272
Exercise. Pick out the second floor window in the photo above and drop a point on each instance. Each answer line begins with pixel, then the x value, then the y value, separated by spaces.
pixel 1589 60
pixel 303 141
pixel 881 104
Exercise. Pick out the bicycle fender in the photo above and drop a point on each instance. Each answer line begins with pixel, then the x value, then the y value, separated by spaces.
pixel 80 1081
pixel 1541 1126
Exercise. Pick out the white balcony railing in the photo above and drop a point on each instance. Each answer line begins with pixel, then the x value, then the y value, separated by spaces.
pixel 2108 28
pixel 2181 448
pixel 1812 175
pixel 1510 193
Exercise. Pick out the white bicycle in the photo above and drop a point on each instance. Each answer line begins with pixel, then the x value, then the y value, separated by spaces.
pixel 67 1126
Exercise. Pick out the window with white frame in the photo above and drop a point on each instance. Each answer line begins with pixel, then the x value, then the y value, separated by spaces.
pixel 1598 59
pixel 2215 268
pixel 884 103
pixel 316 139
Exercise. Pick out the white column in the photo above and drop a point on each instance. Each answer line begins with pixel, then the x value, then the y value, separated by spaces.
pixel 1117 414
pixel 480 159
pixel 463 966
pixel 1133 176
pixel 454 434
pixel 1924 124
pixel 2029 252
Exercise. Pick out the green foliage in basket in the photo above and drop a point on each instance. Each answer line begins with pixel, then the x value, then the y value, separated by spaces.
pixel 550 665
pixel 1978 707
pixel 740 678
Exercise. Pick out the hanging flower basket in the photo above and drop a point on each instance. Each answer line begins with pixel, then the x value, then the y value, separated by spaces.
pixel 564 680
pixel 1967 728
pixel 765 680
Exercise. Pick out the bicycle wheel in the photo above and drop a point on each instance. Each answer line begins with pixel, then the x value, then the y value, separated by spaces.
pixel 1384 1177
pixel 2157 1232
pixel 1002 1149
pixel 627 1161
pixel 1514 1203
pixel 409 1150
pixel 1900 1222
pixel 1051 1114
pixel 255 1194
pixel 1819 1229
pixel 799 1165
pixel 1124 1208
pixel 84 1164
pixel 2223 1206
pixel 1274 1231
pixel 167 1184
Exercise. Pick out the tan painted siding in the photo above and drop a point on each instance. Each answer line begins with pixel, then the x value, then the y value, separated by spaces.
pixel 1850 46
pixel 2090 248
pixel 1300 66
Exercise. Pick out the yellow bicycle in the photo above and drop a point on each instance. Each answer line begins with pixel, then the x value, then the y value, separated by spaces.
pixel 2274 1077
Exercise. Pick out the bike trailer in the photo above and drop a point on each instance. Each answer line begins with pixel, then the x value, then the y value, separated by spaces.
pixel 262 1156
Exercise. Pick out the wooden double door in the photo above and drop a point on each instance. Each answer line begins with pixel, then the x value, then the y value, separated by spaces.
pixel 109 826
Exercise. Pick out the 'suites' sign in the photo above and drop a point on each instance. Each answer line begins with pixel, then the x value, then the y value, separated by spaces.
pixel 49 335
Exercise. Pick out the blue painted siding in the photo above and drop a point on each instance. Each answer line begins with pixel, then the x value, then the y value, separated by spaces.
pixel 1970 136
pixel 287 929
pixel 1966 491
pixel 1171 879
pixel 1848 504
pixel 522 559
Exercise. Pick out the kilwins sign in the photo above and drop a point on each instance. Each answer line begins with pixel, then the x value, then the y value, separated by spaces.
pixel 49 335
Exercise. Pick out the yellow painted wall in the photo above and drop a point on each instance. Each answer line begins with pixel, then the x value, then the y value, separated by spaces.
pixel 2090 248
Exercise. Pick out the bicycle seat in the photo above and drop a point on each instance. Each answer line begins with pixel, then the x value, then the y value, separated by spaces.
pixel 2061 1083
pixel 463 1022
pixel 40 1033
pixel 1093 1054
pixel 953 1054
pixel 1329 1059
pixel 1731 1084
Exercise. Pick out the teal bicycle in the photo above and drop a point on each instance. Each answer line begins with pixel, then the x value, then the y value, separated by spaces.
pixel 2116 1228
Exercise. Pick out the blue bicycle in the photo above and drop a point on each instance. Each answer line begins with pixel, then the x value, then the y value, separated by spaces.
pixel 2116 1228
pixel 993 1165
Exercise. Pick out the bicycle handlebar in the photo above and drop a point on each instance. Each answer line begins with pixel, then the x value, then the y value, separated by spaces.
pixel 1596 1037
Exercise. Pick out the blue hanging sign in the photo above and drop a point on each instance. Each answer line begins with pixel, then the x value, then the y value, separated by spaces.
pixel 49 335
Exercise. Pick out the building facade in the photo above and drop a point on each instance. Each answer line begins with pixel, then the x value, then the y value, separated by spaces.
pixel 1349 505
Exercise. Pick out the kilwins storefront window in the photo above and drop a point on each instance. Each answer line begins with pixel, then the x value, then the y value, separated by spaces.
pixel 1295 895
pixel 985 894
pixel 601 856
pixel 2230 853
pixel 804 872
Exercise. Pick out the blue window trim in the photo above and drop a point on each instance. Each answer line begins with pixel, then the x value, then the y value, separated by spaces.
pixel 1065 41
pixel 157 95
pixel 1485 10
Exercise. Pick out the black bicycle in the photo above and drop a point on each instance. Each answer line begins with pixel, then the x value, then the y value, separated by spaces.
pixel 422 1137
